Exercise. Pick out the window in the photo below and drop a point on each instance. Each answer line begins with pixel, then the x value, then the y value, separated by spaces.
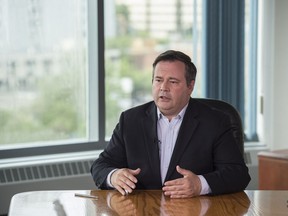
pixel 66 75
pixel 135 33
pixel 252 81
pixel 44 73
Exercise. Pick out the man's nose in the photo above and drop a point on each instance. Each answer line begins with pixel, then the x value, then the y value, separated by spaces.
pixel 164 86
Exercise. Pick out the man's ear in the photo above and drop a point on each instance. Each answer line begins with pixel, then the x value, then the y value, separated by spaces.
pixel 191 85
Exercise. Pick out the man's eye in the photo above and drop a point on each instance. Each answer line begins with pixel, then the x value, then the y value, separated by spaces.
pixel 173 82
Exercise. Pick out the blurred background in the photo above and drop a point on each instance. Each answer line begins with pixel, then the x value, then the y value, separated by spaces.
pixel 68 68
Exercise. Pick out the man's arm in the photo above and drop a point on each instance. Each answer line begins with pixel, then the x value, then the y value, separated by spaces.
pixel 112 157
pixel 230 171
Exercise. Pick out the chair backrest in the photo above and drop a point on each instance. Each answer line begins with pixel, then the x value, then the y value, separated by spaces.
pixel 234 115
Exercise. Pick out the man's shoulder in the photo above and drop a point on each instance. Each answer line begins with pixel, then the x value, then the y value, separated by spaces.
pixel 207 108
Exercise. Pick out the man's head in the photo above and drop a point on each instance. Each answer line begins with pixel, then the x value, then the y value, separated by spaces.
pixel 173 81
pixel 172 55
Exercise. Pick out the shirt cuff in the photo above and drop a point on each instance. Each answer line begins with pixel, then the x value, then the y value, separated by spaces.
pixel 205 187
pixel 108 180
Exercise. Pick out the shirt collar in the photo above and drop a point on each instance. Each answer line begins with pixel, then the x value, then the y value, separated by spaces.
pixel 180 114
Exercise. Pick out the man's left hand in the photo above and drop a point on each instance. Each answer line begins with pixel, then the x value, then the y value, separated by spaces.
pixel 188 186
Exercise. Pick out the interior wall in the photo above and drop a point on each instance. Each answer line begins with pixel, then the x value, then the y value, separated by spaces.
pixel 273 65
pixel 280 71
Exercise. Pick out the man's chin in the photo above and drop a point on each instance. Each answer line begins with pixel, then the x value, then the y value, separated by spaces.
pixel 164 109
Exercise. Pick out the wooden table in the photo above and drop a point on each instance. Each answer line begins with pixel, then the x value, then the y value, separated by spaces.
pixel 147 203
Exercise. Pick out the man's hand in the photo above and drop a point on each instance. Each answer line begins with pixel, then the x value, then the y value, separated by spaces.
pixel 124 180
pixel 188 186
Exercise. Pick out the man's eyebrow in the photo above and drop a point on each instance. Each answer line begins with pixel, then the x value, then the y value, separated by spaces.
pixel 159 77
pixel 169 78
pixel 174 78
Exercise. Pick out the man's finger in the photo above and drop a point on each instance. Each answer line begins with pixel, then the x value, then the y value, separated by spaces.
pixel 174 182
pixel 183 172
pixel 121 190
pixel 131 174
pixel 136 171
pixel 125 180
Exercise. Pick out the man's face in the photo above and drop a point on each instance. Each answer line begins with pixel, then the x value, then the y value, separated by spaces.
pixel 169 89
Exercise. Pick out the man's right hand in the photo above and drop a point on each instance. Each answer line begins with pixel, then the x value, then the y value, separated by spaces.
pixel 124 180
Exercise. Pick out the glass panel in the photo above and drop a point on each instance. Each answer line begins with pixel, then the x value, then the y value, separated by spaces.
pixel 135 33
pixel 251 77
pixel 43 70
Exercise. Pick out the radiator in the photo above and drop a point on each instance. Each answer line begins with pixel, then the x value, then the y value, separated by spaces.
pixel 57 172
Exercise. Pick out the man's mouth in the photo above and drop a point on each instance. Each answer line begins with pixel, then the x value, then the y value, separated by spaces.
pixel 164 97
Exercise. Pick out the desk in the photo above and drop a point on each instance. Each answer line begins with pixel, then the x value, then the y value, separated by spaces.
pixel 147 203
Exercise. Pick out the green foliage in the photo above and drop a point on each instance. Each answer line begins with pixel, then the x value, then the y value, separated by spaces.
pixel 123 10
pixel 121 43
pixel 54 115
pixel 57 97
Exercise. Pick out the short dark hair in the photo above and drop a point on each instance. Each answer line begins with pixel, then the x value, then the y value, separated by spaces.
pixel 172 55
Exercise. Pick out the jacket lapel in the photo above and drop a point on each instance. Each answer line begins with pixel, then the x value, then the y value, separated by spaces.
pixel 187 129
pixel 151 141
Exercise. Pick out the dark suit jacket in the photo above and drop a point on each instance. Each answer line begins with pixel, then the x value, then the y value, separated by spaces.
pixel 205 145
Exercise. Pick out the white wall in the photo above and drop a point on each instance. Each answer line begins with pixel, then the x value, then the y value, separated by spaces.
pixel 274 66
pixel 280 70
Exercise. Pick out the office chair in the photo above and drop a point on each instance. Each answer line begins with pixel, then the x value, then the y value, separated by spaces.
pixel 234 115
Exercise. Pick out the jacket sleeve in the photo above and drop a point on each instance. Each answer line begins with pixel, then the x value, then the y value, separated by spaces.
pixel 113 156
pixel 230 173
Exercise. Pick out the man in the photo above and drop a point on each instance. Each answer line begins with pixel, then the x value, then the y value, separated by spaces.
pixel 174 143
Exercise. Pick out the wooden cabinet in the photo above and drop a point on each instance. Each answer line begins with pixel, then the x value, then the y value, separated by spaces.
pixel 273 170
